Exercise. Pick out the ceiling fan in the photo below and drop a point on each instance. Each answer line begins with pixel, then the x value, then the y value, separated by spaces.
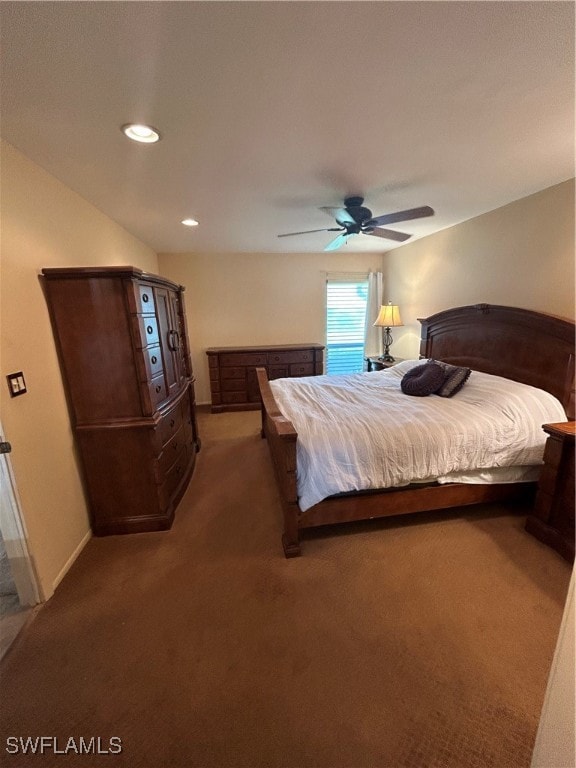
pixel 355 219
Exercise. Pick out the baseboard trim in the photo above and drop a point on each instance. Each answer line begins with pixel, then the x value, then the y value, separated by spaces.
pixel 68 564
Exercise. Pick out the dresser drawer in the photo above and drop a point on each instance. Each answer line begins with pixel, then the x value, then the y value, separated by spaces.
pixel 229 398
pixel 141 299
pixel 305 369
pixel 298 356
pixel 278 371
pixel 233 373
pixel 145 331
pixel 242 358
pixel 233 385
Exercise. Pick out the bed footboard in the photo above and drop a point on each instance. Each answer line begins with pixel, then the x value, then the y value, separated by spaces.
pixel 281 437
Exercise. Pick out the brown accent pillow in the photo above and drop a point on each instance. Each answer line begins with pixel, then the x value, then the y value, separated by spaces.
pixel 455 377
pixel 422 380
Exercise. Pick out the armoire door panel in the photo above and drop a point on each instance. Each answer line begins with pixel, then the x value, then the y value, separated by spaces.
pixel 92 334
pixel 168 339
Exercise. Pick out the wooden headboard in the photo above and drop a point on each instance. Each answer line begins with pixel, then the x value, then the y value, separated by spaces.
pixel 520 344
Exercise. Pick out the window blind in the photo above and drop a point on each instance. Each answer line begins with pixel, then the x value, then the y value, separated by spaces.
pixel 345 324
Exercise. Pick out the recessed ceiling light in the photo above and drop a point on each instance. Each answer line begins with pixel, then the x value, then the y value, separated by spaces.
pixel 190 222
pixel 145 134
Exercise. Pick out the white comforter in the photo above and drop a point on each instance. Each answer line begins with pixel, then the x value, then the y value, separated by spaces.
pixel 359 431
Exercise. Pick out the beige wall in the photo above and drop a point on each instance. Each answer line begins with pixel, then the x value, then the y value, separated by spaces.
pixel 242 299
pixel 45 224
pixel 520 255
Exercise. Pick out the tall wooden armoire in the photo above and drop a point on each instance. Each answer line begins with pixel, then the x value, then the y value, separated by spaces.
pixel 125 358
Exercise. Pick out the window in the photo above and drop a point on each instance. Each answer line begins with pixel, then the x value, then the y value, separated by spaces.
pixel 346 300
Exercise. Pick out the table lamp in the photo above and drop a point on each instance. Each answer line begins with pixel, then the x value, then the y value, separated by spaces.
pixel 388 317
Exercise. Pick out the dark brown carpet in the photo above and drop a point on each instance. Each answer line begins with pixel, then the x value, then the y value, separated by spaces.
pixel 420 642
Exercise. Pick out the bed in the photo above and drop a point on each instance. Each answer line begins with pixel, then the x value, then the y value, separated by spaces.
pixel 513 344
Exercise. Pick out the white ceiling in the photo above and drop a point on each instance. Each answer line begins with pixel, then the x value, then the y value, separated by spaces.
pixel 269 110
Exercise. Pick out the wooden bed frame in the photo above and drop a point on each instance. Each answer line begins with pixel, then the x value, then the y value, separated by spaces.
pixel 523 345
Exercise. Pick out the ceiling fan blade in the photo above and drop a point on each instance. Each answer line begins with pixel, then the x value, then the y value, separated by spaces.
pixel 411 213
pixel 338 242
pixel 341 215
pixel 389 234
pixel 309 231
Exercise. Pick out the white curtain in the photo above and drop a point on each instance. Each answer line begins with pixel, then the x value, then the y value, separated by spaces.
pixel 372 335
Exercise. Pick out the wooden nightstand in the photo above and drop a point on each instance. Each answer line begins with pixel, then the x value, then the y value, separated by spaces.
pixel 553 518
pixel 377 364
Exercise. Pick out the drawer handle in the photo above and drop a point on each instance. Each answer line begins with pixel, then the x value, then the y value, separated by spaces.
pixel 171 422
pixel 149 329
pixel 158 388
pixel 175 446
pixel 173 341
pixel 145 298
pixel 154 359
pixel 276 358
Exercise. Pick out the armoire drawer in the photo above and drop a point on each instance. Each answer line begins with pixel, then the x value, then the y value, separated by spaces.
pixel 145 331
pixel 157 389
pixel 170 454
pixel 173 478
pixel 170 424
pixel 189 435
pixel 141 298
pixel 150 363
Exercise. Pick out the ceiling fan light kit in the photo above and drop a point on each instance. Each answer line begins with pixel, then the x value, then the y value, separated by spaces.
pixel 355 219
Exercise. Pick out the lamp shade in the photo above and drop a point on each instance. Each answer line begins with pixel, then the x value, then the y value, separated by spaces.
pixel 389 316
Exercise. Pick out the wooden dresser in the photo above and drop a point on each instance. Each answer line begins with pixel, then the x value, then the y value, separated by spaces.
pixel 553 519
pixel 233 382
pixel 123 347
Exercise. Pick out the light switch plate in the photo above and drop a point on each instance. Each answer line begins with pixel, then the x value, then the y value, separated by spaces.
pixel 16 384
